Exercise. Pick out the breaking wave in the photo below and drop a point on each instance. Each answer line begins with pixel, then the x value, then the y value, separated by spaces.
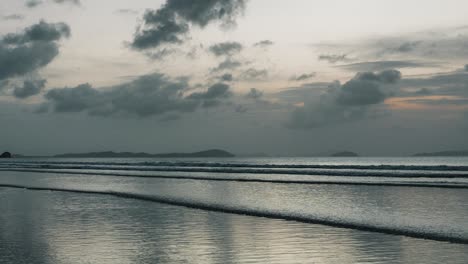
pixel 421 232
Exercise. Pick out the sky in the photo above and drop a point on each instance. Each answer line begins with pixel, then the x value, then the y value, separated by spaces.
pixel 286 78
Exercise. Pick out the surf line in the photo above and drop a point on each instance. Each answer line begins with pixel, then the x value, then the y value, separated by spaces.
pixel 256 213
pixel 405 174
pixel 201 178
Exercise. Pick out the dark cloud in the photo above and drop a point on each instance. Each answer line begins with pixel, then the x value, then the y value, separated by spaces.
pixel 388 76
pixel 423 91
pixel 212 96
pixel 451 83
pixel 24 59
pixel 303 77
pixel 357 92
pixel 440 80
pixel 42 31
pixel 351 101
pixel 466 67
pixel 13 17
pixel 33 3
pixel 29 88
pixel 334 58
pixel 227 64
pixel 384 65
pixel 408 46
pixel 226 77
pixel 27 51
pixel 254 94
pixel 170 23
pixel 226 48
pixel 264 43
pixel 366 88
pixel 253 74
pixel 148 95
pixel 36 3
pixel 74 99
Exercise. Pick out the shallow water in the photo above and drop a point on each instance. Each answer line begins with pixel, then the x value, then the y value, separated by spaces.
pixel 61 227
pixel 435 213
pixel 410 198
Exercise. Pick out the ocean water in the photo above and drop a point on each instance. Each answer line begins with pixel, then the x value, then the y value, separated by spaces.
pixel 272 210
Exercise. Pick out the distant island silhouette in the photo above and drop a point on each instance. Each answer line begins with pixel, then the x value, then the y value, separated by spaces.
pixel 5 155
pixel 451 153
pixel 345 154
pixel 212 153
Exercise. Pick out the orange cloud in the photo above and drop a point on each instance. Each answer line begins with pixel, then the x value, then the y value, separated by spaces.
pixel 426 103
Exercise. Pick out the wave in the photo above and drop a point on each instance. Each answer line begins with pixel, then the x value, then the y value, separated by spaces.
pixel 247 165
pixel 425 233
pixel 257 170
pixel 330 181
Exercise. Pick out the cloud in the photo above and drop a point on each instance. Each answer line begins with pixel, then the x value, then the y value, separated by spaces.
pixel 160 54
pixel 254 94
pixel 334 58
pixel 212 96
pixel 31 49
pixel 451 83
pixel 36 3
pixel 225 48
pixel 43 31
pixel 13 17
pixel 405 47
pixel 33 3
pixel 126 11
pixel 172 22
pixel 75 2
pixel 387 76
pixel 303 77
pixel 226 77
pixel 366 88
pixel 227 64
pixel 264 43
pixel 356 92
pixel 349 102
pixel 29 88
pixel 253 74
pixel 149 95
pixel 384 65
pixel 306 91
pixel 466 67
pixel 440 102
pixel 445 44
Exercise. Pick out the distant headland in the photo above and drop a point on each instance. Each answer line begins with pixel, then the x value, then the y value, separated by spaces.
pixel 345 154
pixel 212 153
pixel 451 153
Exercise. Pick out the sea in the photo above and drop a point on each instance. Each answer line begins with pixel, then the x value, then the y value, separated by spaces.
pixel 234 210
